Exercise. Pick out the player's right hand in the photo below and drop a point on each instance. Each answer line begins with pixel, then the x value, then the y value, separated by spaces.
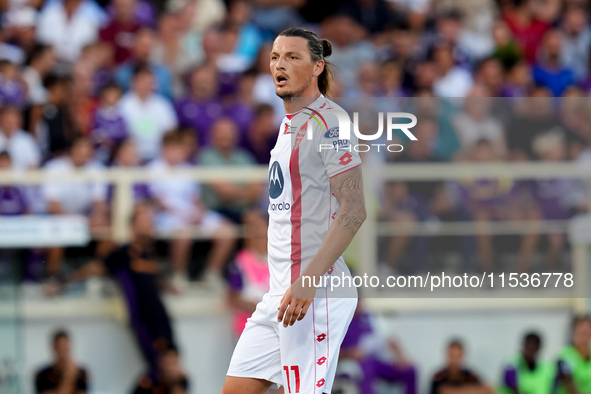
pixel 294 309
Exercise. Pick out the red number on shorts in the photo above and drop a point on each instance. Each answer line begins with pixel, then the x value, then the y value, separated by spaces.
pixel 296 371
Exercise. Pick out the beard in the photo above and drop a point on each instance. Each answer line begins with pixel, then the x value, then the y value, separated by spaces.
pixel 289 95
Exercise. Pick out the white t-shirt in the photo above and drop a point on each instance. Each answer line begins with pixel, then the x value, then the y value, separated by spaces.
pixel 67 36
pixel 456 83
pixel 22 148
pixel 301 203
pixel 178 195
pixel 76 197
pixel 469 130
pixel 148 121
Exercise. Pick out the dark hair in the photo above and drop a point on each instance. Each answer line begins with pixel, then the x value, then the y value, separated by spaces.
pixel 580 319
pixel 37 52
pixel 141 68
pixel 262 109
pixel 455 343
pixel 320 49
pixel 111 85
pixel 4 154
pixel 533 337
pixel 59 334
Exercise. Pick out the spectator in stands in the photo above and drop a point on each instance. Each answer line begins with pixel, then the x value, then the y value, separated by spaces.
pixel 40 62
pixel 63 375
pixel 137 272
pixel 574 362
pixel 529 22
pixel 142 50
pixel 379 358
pixel 147 115
pixel 455 377
pixel 12 198
pixel 451 80
pixel 19 144
pixel 486 200
pixel 262 134
pixel 169 51
pixel 244 38
pixel 121 31
pixel 74 198
pixel 518 81
pixel 170 378
pixel 400 206
pixel 477 122
pixel 80 99
pixel 263 91
pixel 576 40
pixel 526 373
pixel 227 198
pixel 549 70
pixel 248 273
pixel 349 53
pixel 179 207
pixel 372 16
pixel 200 108
pixel 12 89
pixel 53 123
pixel 553 197
pixel 69 25
pixel 489 75
pixel 125 155
pixel 109 127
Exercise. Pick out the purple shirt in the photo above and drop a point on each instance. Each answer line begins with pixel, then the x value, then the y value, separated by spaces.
pixel 199 116
pixel 141 193
pixel 11 93
pixel 243 116
pixel 485 192
pixel 12 201
pixel 109 125
pixel 359 327
pixel 549 194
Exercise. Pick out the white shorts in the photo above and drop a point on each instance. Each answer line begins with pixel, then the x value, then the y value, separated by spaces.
pixel 302 358
pixel 167 223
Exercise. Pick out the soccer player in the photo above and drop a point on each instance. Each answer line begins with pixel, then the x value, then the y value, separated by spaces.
pixel 574 362
pixel 316 207
pixel 527 373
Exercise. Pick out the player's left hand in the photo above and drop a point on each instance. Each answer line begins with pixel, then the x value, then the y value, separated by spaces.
pixel 293 309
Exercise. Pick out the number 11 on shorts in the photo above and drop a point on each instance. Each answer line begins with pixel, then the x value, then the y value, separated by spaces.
pixel 296 371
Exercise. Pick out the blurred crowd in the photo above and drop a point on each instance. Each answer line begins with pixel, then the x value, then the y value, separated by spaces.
pixel 181 83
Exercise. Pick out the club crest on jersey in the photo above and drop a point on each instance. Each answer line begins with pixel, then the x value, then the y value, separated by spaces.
pixel 276 180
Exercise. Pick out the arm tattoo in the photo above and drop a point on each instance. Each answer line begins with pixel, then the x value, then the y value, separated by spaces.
pixel 348 189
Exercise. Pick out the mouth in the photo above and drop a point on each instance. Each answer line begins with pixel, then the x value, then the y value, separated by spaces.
pixel 280 80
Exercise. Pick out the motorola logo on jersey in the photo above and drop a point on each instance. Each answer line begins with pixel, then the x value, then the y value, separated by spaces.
pixel 276 181
pixel 282 206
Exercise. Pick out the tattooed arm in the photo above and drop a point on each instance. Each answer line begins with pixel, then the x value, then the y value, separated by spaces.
pixel 348 189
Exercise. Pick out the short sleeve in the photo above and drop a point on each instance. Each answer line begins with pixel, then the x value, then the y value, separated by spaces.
pixel 338 154
pixel 82 382
pixel 510 377
pixel 234 277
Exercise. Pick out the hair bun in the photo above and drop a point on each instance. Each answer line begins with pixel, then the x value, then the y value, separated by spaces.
pixel 326 47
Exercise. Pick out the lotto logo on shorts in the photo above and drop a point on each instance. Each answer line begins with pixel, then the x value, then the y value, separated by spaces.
pixel 321 360
pixel 320 383
pixel 345 159
pixel 321 337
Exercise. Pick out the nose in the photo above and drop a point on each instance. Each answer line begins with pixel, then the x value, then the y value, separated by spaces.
pixel 279 64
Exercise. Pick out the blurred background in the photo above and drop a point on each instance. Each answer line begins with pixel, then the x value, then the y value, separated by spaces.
pixel 134 145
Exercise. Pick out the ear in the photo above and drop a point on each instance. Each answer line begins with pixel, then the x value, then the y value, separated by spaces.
pixel 319 67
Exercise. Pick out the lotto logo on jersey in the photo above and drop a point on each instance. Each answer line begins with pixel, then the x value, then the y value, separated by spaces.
pixel 345 159
pixel 276 180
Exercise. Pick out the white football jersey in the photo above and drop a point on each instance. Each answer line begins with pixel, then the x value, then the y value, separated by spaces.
pixel 302 205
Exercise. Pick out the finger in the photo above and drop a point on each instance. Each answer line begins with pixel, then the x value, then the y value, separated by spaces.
pixel 304 310
pixel 288 314
pixel 296 313
pixel 282 307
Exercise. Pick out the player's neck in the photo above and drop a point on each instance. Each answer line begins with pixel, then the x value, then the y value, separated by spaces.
pixel 295 104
